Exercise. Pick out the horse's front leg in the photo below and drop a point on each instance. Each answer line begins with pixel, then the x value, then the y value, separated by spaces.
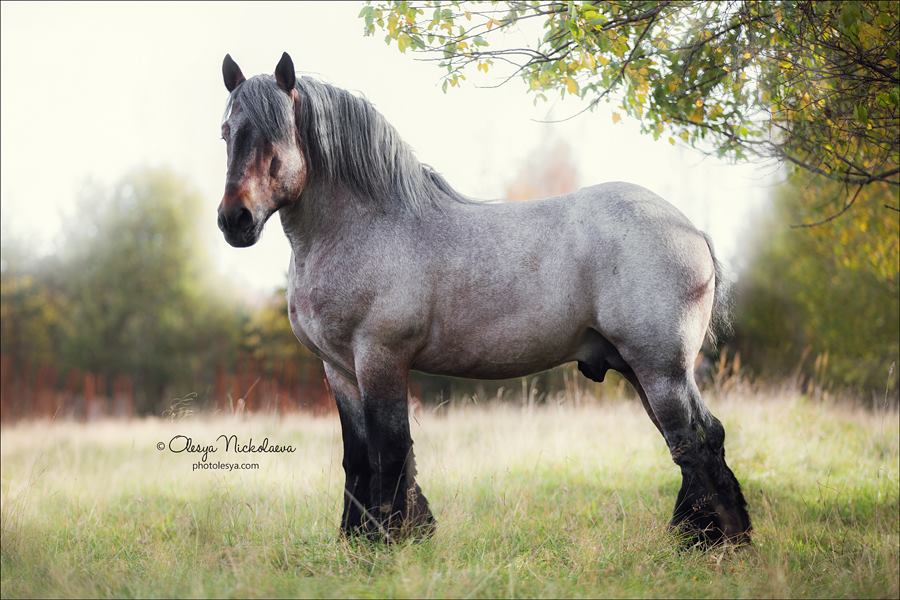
pixel 397 507
pixel 356 451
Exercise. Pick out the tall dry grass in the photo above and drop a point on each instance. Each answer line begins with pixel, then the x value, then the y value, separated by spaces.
pixel 568 497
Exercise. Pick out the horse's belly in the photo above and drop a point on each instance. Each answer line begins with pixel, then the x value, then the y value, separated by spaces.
pixel 498 352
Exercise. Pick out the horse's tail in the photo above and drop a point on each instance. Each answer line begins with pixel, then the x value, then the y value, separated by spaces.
pixel 720 320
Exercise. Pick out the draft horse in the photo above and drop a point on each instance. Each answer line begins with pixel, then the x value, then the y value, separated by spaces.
pixel 393 270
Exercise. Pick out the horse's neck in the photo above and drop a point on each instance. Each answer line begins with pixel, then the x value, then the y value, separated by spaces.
pixel 329 216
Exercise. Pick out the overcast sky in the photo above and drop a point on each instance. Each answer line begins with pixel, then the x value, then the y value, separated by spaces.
pixel 90 91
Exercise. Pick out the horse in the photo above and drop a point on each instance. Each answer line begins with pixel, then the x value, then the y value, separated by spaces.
pixel 393 270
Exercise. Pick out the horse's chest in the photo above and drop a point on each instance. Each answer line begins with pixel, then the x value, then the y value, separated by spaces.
pixel 316 322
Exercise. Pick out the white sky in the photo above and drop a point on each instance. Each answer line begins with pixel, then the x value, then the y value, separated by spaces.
pixel 91 91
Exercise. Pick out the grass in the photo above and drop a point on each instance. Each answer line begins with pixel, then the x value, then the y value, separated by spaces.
pixel 553 501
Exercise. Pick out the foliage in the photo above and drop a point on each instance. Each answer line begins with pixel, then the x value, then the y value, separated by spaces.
pixel 132 292
pixel 811 83
pixel 270 341
pixel 830 294
pixel 538 502
pixel 32 313
pixel 137 277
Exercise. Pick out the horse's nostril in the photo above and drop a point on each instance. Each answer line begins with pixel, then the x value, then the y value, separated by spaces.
pixel 238 219
pixel 243 219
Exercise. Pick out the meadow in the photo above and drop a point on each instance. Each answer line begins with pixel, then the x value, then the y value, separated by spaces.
pixel 567 499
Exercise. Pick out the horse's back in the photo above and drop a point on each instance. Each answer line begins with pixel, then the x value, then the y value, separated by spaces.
pixel 628 204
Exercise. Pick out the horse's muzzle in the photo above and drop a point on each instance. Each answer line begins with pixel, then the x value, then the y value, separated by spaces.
pixel 238 226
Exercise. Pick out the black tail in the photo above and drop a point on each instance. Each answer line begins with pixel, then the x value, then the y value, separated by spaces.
pixel 720 321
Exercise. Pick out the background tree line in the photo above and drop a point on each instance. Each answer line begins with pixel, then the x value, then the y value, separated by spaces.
pixel 130 292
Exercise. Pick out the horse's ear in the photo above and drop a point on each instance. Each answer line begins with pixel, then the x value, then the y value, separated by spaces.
pixel 284 73
pixel 231 72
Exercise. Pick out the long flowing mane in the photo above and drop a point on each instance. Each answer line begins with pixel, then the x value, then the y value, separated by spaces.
pixel 346 141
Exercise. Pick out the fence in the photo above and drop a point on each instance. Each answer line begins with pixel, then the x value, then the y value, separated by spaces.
pixel 34 391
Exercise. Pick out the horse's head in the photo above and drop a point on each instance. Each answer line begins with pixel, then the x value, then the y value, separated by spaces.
pixel 266 166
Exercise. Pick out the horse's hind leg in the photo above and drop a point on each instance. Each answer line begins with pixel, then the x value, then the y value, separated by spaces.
pixel 356 452
pixel 601 356
pixel 633 380
pixel 710 504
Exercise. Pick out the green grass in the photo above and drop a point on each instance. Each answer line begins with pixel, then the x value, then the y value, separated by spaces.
pixel 550 502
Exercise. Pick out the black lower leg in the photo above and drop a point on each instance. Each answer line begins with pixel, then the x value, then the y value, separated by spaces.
pixel 710 505
pixel 396 502
pixel 356 466
pixel 356 451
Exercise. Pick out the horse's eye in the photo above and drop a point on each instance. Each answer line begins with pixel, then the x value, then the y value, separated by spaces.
pixel 274 166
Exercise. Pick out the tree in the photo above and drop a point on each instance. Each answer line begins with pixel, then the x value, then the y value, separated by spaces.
pixel 142 297
pixel 830 295
pixel 815 84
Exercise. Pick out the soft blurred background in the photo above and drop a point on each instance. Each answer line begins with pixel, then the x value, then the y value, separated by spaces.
pixel 120 298
pixel 127 321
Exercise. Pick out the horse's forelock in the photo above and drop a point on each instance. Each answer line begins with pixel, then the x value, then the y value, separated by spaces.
pixel 267 106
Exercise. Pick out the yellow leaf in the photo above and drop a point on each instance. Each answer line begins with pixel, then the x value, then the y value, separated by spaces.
pixel 671 140
pixel 616 117
pixel 571 85
pixel 869 36
pixel 747 56
pixel 684 135
pixel 602 60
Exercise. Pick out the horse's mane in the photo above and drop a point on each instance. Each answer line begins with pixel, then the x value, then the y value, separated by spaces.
pixel 346 141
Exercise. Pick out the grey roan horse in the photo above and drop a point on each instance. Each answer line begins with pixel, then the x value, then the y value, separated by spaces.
pixel 393 270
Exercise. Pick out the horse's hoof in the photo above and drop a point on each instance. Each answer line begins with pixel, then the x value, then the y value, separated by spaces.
pixel 707 535
pixel 395 531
